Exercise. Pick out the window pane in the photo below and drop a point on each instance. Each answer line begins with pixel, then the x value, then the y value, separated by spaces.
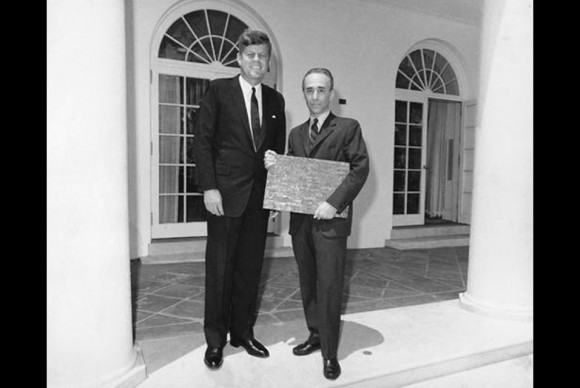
pixel 415 135
pixel 428 56
pixel 194 90
pixel 195 209
pixel 170 89
pixel 400 134
pixel 191 117
pixel 417 60
pixel 201 57
pixel 412 203
pixel 402 81
pixel 453 88
pixel 170 119
pixel 235 29
pixel 440 63
pixel 414 158
pixel 212 51
pixel 400 157
pixel 416 84
pixel 180 211
pixel 171 50
pixel 416 113
pixel 424 76
pixel 398 203
pixel 399 181
pixel 437 86
pixel 429 76
pixel 448 74
pixel 197 22
pixel 400 111
pixel 189 151
pixel 406 67
pixel 181 33
pixel 414 181
pixel 229 52
pixel 168 209
pixel 170 149
pixel 181 184
pixel 169 179
pixel 217 22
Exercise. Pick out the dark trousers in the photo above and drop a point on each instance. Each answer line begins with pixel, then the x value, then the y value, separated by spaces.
pixel 321 262
pixel 233 266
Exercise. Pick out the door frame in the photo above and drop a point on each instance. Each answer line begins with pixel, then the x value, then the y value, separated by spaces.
pixel 195 70
pixel 424 98
pixel 183 229
pixel 414 219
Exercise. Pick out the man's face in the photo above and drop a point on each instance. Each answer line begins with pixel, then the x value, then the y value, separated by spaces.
pixel 253 62
pixel 317 93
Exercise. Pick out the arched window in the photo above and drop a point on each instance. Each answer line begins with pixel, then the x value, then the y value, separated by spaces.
pixel 204 36
pixel 194 44
pixel 427 70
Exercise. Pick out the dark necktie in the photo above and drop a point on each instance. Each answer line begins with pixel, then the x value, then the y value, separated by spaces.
pixel 313 131
pixel 255 114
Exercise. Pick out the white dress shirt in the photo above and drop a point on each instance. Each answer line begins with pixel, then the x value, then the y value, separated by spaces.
pixel 247 91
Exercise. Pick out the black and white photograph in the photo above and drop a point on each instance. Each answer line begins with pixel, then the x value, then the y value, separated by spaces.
pixel 290 193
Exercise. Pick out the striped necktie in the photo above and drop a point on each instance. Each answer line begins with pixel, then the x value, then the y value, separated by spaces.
pixel 313 131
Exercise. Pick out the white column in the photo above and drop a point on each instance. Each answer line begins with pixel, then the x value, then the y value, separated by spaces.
pixel 89 334
pixel 500 272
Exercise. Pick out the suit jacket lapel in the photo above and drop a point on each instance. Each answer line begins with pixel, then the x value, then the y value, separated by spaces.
pixel 305 140
pixel 327 128
pixel 240 105
pixel 267 99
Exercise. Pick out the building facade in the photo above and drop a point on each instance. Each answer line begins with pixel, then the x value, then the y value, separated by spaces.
pixel 393 66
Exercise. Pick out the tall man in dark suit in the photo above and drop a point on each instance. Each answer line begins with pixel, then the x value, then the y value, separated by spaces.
pixel 239 118
pixel 319 240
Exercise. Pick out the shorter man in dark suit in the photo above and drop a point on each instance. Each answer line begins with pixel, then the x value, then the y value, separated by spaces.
pixel 319 240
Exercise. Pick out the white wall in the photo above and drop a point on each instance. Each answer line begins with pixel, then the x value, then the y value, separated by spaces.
pixel 361 44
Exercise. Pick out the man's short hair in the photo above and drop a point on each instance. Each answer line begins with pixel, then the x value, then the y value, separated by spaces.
pixel 320 70
pixel 250 37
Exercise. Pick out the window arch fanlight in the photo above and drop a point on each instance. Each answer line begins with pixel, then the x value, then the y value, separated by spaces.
pixel 429 71
pixel 205 36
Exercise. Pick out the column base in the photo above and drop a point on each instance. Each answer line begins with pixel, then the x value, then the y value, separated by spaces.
pixel 134 376
pixel 468 303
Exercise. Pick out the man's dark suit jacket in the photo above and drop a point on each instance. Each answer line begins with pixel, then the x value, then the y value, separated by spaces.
pixel 340 139
pixel 224 152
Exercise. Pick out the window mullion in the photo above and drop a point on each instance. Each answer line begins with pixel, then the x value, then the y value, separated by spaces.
pixel 196 40
pixel 219 58
pixel 416 72
pixel 210 34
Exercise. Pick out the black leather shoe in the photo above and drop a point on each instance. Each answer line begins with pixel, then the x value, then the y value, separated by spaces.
pixel 213 357
pixel 306 347
pixel 252 346
pixel 331 368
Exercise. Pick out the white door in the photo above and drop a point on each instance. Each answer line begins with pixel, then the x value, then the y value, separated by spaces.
pixel 409 161
pixel 178 209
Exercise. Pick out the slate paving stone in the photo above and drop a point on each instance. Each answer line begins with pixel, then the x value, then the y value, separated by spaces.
pixel 168 299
